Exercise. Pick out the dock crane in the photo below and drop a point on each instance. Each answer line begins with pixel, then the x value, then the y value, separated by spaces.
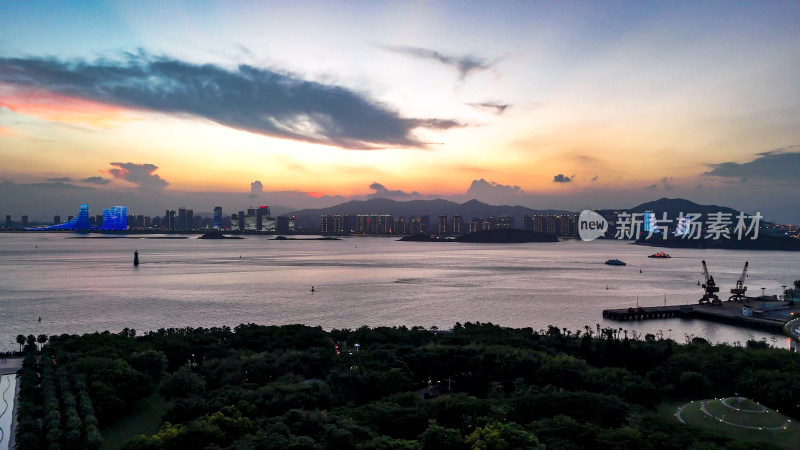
pixel 710 287
pixel 740 289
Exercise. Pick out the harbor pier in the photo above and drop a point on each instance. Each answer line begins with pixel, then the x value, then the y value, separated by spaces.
pixel 772 319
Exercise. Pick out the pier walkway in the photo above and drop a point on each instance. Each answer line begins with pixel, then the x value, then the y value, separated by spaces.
pixel 729 312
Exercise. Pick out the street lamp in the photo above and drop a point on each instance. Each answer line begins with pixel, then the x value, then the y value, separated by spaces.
pixel 356 346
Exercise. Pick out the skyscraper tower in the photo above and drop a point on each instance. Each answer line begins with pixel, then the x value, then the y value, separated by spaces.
pixel 217 216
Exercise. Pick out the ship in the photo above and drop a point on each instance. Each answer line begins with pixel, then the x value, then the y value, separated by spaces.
pixel 615 262
pixel 660 255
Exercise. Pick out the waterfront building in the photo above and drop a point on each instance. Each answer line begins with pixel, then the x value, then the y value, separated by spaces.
pixel 284 224
pixel 217 217
pixel 442 229
pixel 114 218
pixel 457 223
pixel 399 225
pixel 261 214
pixel 473 227
pixel 415 225
pixel 241 220
pixel 8 220
pixel 56 220
pixel 251 220
pixel 331 224
pixel 24 221
pixel 79 223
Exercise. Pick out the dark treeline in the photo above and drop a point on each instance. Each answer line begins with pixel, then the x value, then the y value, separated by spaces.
pixel 480 386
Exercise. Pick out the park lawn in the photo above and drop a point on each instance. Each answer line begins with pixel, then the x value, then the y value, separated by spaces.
pixel 694 416
pixel 745 404
pixel 145 418
pixel 768 419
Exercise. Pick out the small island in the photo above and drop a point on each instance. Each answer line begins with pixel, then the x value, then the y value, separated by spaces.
pixel 218 235
pixel 324 238
pixel 763 242
pixel 503 236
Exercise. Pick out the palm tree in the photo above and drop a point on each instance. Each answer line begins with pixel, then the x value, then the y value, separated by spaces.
pixel 41 339
pixel 20 341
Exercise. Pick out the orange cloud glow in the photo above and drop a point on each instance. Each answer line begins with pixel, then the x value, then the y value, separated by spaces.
pixel 315 194
pixel 61 108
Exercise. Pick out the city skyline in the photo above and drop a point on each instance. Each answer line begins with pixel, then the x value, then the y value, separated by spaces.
pixel 570 106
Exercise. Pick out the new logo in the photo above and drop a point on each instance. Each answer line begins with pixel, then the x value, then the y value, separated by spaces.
pixel 591 225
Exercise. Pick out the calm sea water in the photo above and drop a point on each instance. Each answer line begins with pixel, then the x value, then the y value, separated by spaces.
pixel 88 283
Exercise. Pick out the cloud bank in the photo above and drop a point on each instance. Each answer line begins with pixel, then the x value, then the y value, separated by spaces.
pixel 262 101
pixel 773 165
pixel 141 175
pixel 382 191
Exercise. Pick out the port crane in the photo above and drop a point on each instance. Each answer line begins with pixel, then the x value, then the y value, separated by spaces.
pixel 740 289
pixel 710 287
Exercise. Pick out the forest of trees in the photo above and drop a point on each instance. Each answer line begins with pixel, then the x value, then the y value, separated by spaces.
pixel 480 386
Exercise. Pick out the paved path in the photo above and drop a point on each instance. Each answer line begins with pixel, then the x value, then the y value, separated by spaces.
pixel 706 412
pixel 7 391
pixel 763 409
pixel 721 419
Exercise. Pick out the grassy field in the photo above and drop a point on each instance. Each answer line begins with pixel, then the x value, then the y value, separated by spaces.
pixel 743 403
pixel 145 418
pixel 692 414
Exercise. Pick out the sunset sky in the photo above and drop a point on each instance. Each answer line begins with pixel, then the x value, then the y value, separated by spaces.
pixel 552 104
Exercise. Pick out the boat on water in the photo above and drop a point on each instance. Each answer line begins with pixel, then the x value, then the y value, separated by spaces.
pixel 660 255
pixel 615 262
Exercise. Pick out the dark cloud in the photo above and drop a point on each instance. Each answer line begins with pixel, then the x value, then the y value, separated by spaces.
pixel 256 189
pixel 382 191
pixel 596 177
pixel 464 64
pixel 60 179
pixel 561 178
pixel 666 182
pixel 141 175
pixel 772 165
pixel 96 180
pixel 493 107
pixel 248 98
pixel 652 187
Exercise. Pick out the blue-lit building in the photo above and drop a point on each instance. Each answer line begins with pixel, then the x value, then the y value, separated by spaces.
pixel 77 224
pixel 217 216
pixel 115 218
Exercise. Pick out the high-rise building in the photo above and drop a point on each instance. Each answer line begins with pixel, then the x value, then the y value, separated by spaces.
pixel 426 223
pixel 504 222
pixel 442 228
pixel 115 218
pixel 241 220
pixel 189 219
pixel 8 220
pixel 234 221
pixel 282 224
pixel 181 225
pixel 457 224
pixel 415 225
pixel 56 220
pixel 261 214
pixel 473 227
pixel 331 224
pixel 399 225
pixel 217 217
pixel 24 221
pixel 251 220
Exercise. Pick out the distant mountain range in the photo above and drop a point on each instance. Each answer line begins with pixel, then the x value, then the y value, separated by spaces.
pixel 310 218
